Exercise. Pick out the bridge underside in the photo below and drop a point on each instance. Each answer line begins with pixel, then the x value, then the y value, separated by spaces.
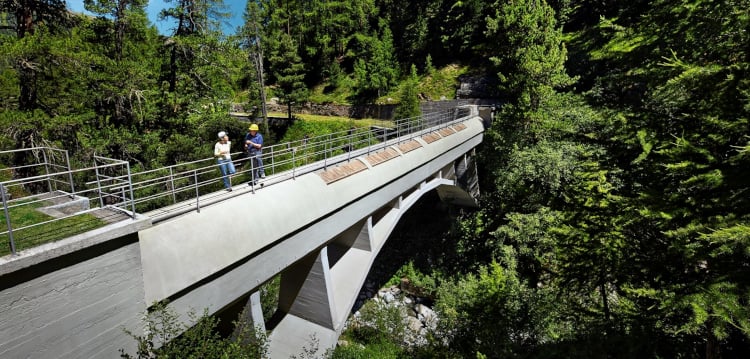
pixel 318 292
pixel 320 232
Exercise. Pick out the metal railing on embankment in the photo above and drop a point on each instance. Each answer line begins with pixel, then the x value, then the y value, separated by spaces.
pixel 44 199
pixel 173 190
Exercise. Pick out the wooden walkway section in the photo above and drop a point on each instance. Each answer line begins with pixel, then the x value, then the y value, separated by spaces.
pixel 334 174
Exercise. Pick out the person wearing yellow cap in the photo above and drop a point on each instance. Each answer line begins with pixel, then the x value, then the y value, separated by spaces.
pixel 222 152
pixel 254 146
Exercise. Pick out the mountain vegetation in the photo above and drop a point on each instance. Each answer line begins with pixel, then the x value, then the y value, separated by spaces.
pixel 615 217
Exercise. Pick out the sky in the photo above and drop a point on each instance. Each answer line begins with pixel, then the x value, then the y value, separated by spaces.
pixel 235 8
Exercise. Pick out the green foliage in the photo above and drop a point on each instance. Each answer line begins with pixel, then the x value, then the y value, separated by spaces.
pixel 375 69
pixel 409 105
pixel 490 312
pixel 429 68
pixel 288 71
pixel 612 217
pixel 269 294
pixel 338 87
pixel 414 281
pixel 312 129
pixel 380 322
pixel 373 349
pixel 531 56
pixel 167 337
pixel 441 82
pixel 683 116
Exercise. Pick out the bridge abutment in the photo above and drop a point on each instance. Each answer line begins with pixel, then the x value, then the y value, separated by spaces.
pixel 74 298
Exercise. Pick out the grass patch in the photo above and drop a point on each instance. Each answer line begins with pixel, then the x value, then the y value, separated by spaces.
pixel 328 93
pixel 31 237
pixel 442 82
pixel 364 122
pixel 439 83
pixel 6 175
pixel 359 122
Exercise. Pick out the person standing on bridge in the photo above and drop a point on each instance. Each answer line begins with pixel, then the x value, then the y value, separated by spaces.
pixel 222 152
pixel 254 147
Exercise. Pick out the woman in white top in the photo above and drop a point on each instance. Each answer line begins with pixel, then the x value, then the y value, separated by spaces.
pixel 222 152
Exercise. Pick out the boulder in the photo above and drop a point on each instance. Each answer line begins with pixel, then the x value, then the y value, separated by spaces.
pixel 414 324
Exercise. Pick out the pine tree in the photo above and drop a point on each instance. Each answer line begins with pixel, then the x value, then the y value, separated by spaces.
pixel 28 16
pixel 288 70
pixel 531 56
pixel 409 105
pixel 676 73
pixel 252 31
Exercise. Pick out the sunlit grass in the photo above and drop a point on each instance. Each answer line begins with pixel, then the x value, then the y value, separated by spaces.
pixel 365 122
pixel 27 215
pixel 442 82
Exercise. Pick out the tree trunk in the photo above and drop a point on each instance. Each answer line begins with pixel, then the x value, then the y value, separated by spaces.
pixel 24 20
pixel 262 90
pixel 713 347
pixel 27 75
pixel 28 98
pixel 605 301
pixel 259 72
pixel 120 27
pixel 173 68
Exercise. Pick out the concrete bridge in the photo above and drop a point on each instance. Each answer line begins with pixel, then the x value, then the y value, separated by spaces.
pixel 319 226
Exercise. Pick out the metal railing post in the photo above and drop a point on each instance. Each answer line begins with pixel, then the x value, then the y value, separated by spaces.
pixel 252 173
pixel 130 188
pixel 411 126
pixel 98 184
pixel 229 175
pixel 124 199
pixel 171 181
pixel 273 166
pixel 70 173
pixel 11 242
pixel 294 164
pixel 349 152
pixel 197 193
pixel 46 169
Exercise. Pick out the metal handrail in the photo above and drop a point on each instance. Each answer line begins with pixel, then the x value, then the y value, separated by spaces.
pixel 278 158
pixel 187 186
pixel 283 157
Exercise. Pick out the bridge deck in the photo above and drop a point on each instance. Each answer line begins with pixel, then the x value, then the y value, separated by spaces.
pixel 208 252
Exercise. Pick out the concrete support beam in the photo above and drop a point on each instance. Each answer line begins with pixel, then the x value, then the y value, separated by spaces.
pixel 256 311
pixel 358 236
pixel 364 237
pixel 306 290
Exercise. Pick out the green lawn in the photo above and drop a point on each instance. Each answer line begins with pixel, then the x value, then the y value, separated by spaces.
pixel 365 122
pixel 31 237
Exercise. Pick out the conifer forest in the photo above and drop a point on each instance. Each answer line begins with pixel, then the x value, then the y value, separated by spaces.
pixel 615 177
